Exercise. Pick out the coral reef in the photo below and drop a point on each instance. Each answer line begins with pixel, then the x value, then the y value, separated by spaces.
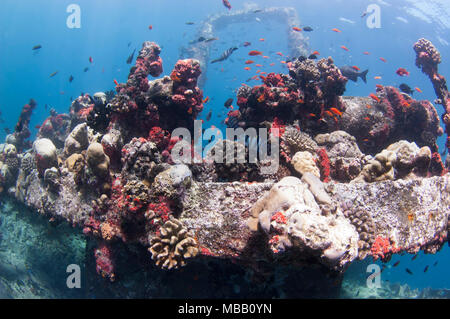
pixel 22 130
pixel 393 116
pixel 399 160
pixel 107 167
pixel 299 96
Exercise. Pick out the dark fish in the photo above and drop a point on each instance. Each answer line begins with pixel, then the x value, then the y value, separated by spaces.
pixel 357 294
pixel 302 58
pixel 396 264
pixel 414 257
pixel 190 23
pixel 129 43
pixel 426 268
pixel 405 88
pixel 408 271
pixel 225 55
pixel 257 11
pixel 246 44
pixel 53 74
pixel 350 73
pixel 435 263
pixel 228 102
pixel 312 57
pixel 130 58
pixel 208 117
pixel 71 79
pixel 37 47
pixel 308 29
pixel 201 39
pixel 86 69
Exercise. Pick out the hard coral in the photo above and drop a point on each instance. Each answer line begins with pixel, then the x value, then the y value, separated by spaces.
pixel 428 59
pixel 174 245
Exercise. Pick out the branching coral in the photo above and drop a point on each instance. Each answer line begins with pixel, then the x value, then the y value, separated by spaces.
pixel 428 58
pixel 174 245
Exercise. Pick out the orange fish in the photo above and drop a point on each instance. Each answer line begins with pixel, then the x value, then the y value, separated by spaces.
pixel 263 73
pixel 272 64
pixel 206 100
pixel 300 101
pixel 262 40
pixel 329 113
pixel 366 140
pixel 254 52
pixel 257 71
pixel 344 48
pixel 336 111
pixel 383 59
pixel 261 98
pixel 150 27
pixel 312 115
pixel 284 62
pixel 265 57
pixel 369 106
pixel 296 29
pixel 190 110
pixel 116 83
pixel 377 77
pixel 366 53
pixel 258 65
pixel 374 97
pixel 336 30
pixel 247 68
pixel 356 68
pixel 418 90
pixel 280 54
pixel 316 53
pixel 249 62
pixel 367 118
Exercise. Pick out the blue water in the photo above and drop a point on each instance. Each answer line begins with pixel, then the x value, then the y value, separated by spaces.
pixel 108 27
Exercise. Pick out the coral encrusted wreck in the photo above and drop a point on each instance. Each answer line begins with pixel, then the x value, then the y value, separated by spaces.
pixel 346 188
